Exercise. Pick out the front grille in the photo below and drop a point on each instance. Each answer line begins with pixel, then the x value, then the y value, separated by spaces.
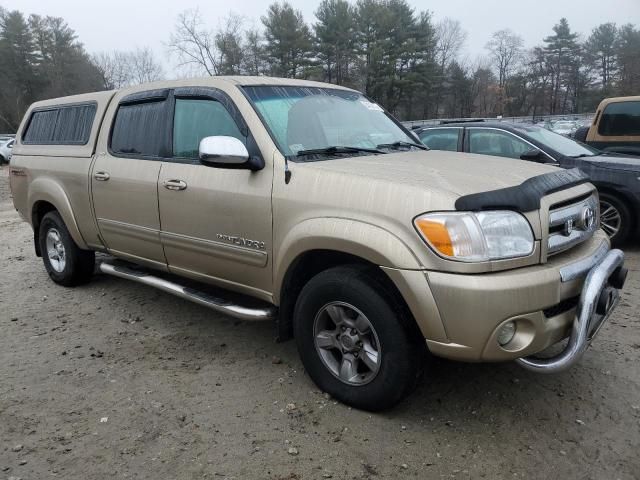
pixel 572 223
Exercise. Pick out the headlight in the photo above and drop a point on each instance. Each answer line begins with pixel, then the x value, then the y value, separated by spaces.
pixel 477 236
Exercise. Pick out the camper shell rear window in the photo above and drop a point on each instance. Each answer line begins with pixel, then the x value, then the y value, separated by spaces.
pixel 620 119
pixel 60 125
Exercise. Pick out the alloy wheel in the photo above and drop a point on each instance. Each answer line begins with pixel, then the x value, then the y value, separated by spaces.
pixel 347 343
pixel 55 250
pixel 610 218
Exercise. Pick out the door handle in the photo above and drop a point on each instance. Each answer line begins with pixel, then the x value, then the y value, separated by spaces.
pixel 175 185
pixel 101 176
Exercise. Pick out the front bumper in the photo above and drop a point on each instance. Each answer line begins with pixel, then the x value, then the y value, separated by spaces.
pixel 544 301
pixel 598 299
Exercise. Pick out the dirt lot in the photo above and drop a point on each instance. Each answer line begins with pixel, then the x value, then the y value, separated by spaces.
pixel 118 380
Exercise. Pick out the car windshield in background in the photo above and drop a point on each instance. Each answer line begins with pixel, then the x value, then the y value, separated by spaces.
pixel 302 119
pixel 557 142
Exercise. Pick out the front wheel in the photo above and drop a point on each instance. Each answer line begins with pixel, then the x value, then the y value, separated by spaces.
pixel 65 262
pixel 356 340
pixel 615 218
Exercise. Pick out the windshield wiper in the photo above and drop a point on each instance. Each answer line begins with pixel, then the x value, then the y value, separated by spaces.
pixel 397 145
pixel 582 155
pixel 337 150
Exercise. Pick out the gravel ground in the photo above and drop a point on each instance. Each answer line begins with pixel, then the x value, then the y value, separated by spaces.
pixel 117 379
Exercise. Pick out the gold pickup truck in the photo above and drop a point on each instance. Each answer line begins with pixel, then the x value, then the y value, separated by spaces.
pixel 311 206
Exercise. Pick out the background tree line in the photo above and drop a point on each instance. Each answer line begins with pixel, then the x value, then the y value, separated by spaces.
pixel 400 57
pixel 41 57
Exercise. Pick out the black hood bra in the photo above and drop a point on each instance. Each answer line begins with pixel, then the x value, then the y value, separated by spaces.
pixel 524 197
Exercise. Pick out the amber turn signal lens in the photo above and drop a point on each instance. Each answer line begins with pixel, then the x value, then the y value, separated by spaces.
pixel 437 235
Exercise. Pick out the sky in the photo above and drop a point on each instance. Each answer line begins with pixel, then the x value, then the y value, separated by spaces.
pixel 127 24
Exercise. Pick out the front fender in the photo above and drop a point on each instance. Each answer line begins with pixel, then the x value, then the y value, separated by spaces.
pixel 374 244
pixel 364 240
pixel 48 190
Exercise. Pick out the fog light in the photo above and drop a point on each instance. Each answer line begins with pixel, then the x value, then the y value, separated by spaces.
pixel 506 333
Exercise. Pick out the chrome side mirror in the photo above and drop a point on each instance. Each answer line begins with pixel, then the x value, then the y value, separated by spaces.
pixel 221 151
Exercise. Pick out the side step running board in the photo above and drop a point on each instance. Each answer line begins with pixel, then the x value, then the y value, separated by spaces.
pixel 218 304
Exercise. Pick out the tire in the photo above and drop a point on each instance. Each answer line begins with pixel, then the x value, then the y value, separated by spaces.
pixel 615 219
pixel 65 262
pixel 391 352
pixel 3 160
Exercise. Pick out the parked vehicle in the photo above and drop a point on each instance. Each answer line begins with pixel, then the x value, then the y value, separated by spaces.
pixel 5 150
pixel 564 127
pixel 367 248
pixel 616 176
pixel 545 124
pixel 615 127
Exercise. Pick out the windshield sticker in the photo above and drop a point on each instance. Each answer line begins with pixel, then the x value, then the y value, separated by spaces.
pixel 371 106
pixel 296 148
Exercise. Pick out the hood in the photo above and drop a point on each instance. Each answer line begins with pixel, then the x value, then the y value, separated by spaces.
pixel 456 174
pixel 615 161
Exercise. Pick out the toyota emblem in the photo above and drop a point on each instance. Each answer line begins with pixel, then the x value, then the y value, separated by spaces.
pixel 588 218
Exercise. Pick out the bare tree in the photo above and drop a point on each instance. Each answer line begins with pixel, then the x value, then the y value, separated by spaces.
pixel 450 38
pixel 193 44
pixel 213 52
pixel 113 68
pixel 143 66
pixel 120 69
pixel 506 50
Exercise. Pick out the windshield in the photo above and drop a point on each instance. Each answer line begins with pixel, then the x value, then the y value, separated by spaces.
pixel 311 118
pixel 563 145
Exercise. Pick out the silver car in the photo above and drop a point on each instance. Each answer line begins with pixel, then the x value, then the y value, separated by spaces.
pixel 6 146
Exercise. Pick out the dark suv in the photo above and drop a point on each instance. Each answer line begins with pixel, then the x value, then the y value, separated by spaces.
pixel 617 176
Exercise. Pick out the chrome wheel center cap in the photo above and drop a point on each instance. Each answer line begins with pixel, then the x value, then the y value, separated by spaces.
pixel 348 341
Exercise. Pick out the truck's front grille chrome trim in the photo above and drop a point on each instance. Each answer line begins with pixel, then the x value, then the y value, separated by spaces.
pixel 268 312
pixel 581 267
pixel 572 224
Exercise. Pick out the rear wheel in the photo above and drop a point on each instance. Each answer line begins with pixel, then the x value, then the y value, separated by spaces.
pixel 615 218
pixel 356 340
pixel 65 262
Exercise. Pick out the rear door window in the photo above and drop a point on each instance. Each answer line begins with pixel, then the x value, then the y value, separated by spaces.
pixel 142 130
pixel 620 119
pixel 195 119
pixel 441 138
pixel 496 142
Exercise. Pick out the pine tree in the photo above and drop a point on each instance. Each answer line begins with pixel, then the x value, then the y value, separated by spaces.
pixel 563 51
pixel 288 41
pixel 601 53
pixel 334 39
